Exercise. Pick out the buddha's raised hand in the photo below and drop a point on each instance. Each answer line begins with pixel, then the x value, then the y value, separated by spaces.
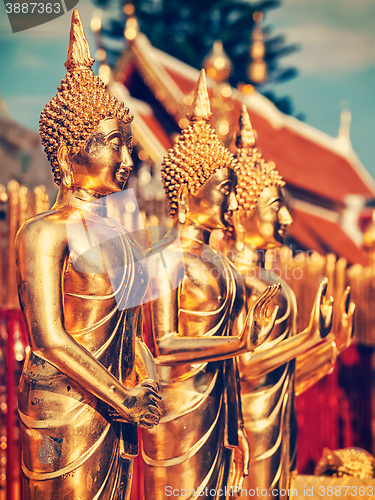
pixel 322 313
pixel 345 329
pixel 261 319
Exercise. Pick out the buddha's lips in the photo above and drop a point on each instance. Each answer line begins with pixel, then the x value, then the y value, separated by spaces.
pixel 228 217
pixel 122 174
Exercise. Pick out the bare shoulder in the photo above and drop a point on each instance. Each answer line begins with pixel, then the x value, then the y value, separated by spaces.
pixel 42 232
pixel 165 266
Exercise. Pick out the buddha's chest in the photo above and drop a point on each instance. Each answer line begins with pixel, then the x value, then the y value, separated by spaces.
pixel 105 270
pixel 211 290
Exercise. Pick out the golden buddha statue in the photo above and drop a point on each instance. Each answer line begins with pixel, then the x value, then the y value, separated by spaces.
pixel 88 380
pixel 268 375
pixel 199 444
pixel 354 462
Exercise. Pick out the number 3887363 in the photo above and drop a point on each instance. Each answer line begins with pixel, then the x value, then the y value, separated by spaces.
pixel 342 490
pixel 32 8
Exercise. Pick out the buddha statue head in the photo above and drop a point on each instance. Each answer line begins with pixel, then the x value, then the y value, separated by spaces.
pixel 262 217
pixel 198 172
pixel 85 132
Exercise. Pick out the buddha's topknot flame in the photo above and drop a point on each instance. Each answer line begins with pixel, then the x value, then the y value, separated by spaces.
pixel 253 173
pixel 80 103
pixel 200 109
pixel 79 56
pixel 198 152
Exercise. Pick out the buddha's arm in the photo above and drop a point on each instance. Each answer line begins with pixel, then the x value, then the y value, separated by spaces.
pixel 315 358
pixel 315 363
pixel 41 252
pixel 318 361
pixel 271 355
pixel 144 362
pixel 173 348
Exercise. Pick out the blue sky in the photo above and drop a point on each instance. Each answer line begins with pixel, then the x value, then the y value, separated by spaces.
pixel 336 64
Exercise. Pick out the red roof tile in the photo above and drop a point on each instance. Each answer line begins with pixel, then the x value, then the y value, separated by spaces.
pixel 324 236
pixel 157 129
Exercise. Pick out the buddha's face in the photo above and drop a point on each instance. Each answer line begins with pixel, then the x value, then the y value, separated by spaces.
pixel 104 164
pixel 267 226
pixel 214 202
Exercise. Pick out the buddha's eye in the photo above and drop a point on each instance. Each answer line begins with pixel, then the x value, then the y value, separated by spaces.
pixel 129 145
pixel 116 142
pixel 276 206
pixel 225 189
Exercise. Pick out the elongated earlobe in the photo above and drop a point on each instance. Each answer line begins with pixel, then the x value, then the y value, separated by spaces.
pixel 239 232
pixel 182 217
pixel 183 204
pixel 66 171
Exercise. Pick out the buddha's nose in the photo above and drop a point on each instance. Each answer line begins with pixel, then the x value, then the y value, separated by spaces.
pixel 233 205
pixel 285 218
pixel 126 158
